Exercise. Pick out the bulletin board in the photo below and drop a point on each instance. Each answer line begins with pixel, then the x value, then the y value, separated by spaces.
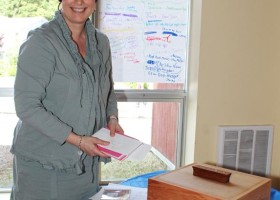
pixel 148 39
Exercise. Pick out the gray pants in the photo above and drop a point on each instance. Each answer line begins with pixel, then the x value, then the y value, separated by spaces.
pixel 33 182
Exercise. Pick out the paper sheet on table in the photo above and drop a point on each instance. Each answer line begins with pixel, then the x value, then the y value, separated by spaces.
pixel 136 193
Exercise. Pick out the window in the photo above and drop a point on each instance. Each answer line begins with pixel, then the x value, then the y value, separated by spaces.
pixel 15 24
pixel 149 45
pixel 8 121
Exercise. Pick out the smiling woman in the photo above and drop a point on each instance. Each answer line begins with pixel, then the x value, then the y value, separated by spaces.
pixel 63 95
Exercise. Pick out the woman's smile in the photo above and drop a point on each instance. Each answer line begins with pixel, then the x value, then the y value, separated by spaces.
pixel 78 9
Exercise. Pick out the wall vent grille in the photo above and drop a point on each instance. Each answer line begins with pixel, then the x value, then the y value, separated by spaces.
pixel 246 148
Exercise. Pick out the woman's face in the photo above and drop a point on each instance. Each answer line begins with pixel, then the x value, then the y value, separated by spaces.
pixel 77 11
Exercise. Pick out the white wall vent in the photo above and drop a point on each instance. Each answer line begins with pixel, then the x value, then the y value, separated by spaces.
pixel 246 148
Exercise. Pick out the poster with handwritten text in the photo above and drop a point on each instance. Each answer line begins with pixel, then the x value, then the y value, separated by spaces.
pixel 148 39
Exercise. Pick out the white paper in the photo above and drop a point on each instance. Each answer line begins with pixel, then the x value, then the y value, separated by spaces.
pixel 153 46
pixel 122 147
pixel 136 193
pixel 140 153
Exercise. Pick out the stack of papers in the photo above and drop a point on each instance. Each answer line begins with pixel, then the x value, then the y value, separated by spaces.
pixel 122 146
pixel 117 194
pixel 135 192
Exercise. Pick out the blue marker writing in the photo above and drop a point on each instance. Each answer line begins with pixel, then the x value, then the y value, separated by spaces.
pixel 151 62
pixel 169 33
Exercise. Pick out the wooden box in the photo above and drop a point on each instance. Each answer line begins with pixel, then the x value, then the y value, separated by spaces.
pixel 182 184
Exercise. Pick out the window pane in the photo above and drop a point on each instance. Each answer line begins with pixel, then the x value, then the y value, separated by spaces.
pixel 8 120
pixel 154 123
pixel 14 29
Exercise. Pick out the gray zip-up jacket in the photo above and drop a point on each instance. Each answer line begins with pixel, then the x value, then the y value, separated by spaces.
pixel 57 91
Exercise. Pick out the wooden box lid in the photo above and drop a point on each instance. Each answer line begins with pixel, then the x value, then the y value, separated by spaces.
pixel 240 185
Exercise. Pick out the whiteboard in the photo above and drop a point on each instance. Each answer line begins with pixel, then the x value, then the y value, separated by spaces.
pixel 148 39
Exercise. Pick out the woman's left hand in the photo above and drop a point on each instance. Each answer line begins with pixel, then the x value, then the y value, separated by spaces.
pixel 114 127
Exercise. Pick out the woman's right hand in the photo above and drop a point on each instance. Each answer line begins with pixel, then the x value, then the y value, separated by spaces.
pixel 87 144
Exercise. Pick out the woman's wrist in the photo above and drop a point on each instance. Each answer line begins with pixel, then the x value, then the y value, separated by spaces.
pixel 75 139
pixel 112 117
pixel 80 142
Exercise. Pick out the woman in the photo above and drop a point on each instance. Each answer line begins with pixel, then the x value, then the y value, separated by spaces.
pixel 63 95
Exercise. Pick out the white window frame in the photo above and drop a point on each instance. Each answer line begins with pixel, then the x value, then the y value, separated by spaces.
pixel 178 96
